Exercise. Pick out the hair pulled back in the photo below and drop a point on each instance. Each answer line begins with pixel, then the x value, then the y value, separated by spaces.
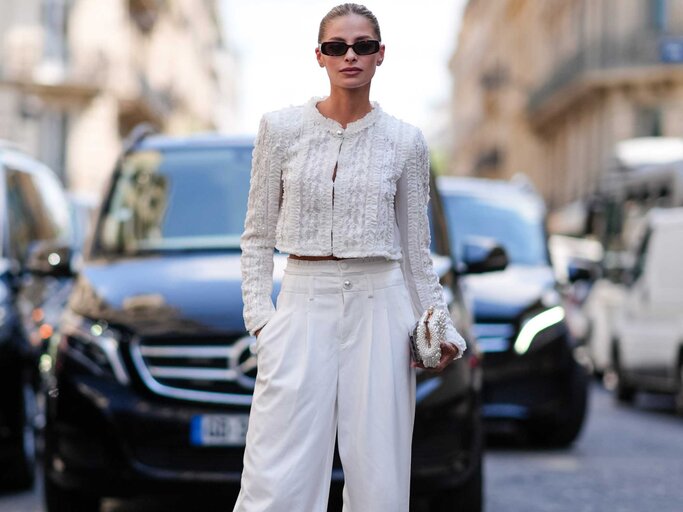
pixel 345 10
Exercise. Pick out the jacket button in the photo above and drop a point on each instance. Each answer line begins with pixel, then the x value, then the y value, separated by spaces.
pixel 347 285
pixel 340 133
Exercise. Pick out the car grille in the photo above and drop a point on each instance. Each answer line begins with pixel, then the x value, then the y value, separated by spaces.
pixel 217 370
pixel 494 337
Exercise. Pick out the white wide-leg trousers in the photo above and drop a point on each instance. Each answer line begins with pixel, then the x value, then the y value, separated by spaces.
pixel 333 359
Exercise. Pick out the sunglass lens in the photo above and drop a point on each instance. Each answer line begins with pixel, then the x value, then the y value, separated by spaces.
pixel 333 48
pixel 366 47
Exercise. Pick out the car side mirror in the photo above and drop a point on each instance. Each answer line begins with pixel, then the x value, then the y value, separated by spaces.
pixel 47 257
pixel 482 254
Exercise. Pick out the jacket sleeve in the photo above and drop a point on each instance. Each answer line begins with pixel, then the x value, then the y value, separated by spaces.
pixel 258 238
pixel 411 206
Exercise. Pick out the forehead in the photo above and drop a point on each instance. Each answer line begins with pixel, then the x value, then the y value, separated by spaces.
pixel 349 27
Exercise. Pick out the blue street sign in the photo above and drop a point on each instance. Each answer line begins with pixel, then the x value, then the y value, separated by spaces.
pixel 671 50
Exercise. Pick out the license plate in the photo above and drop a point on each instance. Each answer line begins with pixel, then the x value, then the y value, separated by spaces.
pixel 219 429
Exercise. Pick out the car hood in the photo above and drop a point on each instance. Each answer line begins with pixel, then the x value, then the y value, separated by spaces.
pixel 157 295
pixel 508 293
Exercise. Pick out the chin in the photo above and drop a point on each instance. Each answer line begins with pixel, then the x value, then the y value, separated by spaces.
pixel 352 84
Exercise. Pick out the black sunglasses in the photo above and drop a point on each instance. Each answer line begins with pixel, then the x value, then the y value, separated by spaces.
pixel 339 48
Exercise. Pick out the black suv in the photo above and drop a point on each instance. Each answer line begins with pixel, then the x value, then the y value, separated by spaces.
pixel 34 216
pixel 154 371
pixel 531 377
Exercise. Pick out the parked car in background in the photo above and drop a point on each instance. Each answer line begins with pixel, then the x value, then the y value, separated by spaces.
pixel 647 347
pixel 154 370
pixel 576 262
pixel 604 300
pixel 644 173
pixel 35 226
pixel 42 298
pixel 531 377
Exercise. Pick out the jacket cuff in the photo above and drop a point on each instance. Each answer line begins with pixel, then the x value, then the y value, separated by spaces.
pixel 259 321
pixel 454 337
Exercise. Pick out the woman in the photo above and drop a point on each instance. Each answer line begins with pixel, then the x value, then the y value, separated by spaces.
pixel 342 187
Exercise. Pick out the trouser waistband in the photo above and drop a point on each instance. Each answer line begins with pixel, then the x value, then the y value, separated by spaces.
pixel 349 275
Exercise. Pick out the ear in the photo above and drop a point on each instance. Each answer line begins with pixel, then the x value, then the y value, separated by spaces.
pixel 380 59
pixel 319 57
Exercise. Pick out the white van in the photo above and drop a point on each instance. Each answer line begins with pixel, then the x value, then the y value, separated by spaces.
pixel 648 337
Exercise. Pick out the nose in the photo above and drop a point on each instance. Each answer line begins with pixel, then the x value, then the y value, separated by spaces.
pixel 350 55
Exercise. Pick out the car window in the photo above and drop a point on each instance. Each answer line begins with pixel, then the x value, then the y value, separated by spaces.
pixel 56 204
pixel 666 246
pixel 180 199
pixel 518 229
pixel 36 208
pixel 641 255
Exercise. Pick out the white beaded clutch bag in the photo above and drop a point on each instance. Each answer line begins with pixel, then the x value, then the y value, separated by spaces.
pixel 427 335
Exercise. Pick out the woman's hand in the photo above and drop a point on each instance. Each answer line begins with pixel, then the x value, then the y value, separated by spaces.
pixel 449 352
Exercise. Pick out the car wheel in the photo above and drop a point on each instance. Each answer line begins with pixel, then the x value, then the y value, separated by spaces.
pixel 468 497
pixel 22 463
pixel 565 432
pixel 623 391
pixel 58 499
pixel 679 395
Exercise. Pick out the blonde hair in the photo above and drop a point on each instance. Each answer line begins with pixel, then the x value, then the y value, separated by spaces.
pixel 345 10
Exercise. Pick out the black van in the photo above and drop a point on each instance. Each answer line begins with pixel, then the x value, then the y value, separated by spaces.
pixel 34 215
pixel 532 379
pixel 154 371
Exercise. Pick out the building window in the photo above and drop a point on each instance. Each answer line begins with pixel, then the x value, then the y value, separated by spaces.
pixel 658 11
pixel 649 122
pixel 144 13
pixel 488 162
pixel 54 13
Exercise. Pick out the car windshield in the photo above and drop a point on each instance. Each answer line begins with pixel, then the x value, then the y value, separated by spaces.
pixel 179 199
pixel 518 228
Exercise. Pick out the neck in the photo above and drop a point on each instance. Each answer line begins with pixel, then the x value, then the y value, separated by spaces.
pixel 346 105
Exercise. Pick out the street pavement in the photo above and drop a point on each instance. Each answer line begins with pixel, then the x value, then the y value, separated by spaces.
pixel 628 459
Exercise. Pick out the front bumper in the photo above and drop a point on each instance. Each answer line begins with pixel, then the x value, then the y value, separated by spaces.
pixel 113 441
pixel 532 387
pixel 116 440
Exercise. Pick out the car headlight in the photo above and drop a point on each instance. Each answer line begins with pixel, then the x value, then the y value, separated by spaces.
pixel 95 345
pixel 535 325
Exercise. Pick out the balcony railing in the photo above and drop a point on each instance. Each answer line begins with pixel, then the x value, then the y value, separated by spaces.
pixel 640 50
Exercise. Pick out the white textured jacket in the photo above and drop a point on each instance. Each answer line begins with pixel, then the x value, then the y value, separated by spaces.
pixel 376 205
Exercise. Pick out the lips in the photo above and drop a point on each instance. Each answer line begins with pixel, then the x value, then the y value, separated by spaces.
pixel 351 71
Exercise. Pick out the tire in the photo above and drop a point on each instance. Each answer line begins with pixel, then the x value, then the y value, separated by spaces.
pixel 623 391
pixel 564 433
pixel 58 499
pixel 19 472
pixel 468 497
pixel 678 398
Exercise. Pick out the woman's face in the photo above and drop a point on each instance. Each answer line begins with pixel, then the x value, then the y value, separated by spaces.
pixel 350 71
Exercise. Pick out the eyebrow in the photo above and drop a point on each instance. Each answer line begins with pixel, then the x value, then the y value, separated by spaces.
pixel 359 38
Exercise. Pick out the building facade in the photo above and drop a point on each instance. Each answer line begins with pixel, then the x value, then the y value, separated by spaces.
pixel 547 88
pixel 77 75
